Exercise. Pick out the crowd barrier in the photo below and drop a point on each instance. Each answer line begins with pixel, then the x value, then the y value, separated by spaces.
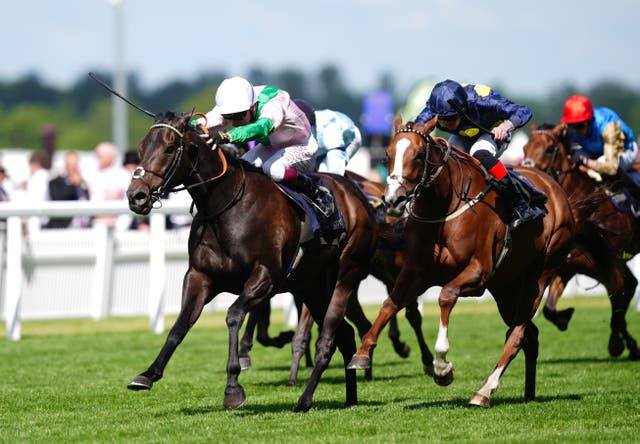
pixel 100 272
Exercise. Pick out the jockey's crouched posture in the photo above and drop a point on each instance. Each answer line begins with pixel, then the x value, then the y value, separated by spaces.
pixel 265 114
pixel 601 140
pixel 464 111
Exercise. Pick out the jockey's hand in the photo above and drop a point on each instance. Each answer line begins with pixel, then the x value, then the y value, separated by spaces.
pixel 220 138
pixel 578 159
pixel 501 132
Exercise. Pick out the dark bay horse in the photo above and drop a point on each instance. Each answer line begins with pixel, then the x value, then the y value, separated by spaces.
pixel 456 236
pixel 605 236
pixel 243 240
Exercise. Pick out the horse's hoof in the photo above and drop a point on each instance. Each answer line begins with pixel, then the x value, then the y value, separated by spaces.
pixel 140 382
pixel 480 400
pixel 234 399
pixel 245 363
pixel 359 362
pixel 403 349
pixel 444 380
pixel 292 382
pixel 616 346
pixel 302 406
pixel 559 318
pixel 634 355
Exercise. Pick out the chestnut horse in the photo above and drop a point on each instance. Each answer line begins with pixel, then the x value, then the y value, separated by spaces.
pixel 243 240
pixel 605 236
pixel 457 236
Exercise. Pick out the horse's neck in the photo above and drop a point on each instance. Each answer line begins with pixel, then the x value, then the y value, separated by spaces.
pixel 577 184
pixel 214 184
pixel 461 177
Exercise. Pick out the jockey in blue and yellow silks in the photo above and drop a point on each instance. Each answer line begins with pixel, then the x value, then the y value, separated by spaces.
pixel 480 121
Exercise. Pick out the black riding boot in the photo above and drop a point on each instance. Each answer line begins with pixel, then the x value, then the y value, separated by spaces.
pixel 319 196
pixel 518 206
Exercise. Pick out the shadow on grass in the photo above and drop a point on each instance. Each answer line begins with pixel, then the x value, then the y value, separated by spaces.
pixel 280 407
pixel 339 379
pixel 583 360
pixel 456 403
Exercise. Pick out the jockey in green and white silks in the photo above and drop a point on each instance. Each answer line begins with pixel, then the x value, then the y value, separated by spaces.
pixel 267 115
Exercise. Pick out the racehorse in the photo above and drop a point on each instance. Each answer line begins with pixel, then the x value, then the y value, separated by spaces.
pixel 244 239
pixel 605 236
pixel 384 267
pixel 457 236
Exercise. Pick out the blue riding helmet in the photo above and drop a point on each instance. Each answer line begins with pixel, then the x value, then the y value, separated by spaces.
pixel 442 93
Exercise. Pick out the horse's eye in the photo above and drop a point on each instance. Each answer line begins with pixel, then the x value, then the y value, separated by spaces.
pixel 550 150
pixel 171 148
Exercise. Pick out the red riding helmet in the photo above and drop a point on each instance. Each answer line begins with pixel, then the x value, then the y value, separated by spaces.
pixel 577 109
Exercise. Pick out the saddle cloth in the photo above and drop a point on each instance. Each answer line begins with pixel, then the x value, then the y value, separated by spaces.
pixel 536 198
pixel 329 228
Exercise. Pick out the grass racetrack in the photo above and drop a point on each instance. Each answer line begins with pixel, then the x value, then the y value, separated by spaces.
pixel 65 381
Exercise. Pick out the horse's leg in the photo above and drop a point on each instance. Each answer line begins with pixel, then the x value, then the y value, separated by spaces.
pixel 300 343
pixel 264 319
pixel 622 286
pixel 246 343
pixel 401 348
pixel 344 338
pixel 415 320
pixel 362 358
pixel 356 315
pixel 558 318
pixel 196 292
pixel 517 312
pixel 334 331
pixel 257 288
pixel 307 352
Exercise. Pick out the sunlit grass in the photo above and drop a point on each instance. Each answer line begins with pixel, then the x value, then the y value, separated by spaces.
pixel 65 381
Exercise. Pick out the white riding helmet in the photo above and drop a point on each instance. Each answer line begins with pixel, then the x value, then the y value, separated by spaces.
pixel 234 95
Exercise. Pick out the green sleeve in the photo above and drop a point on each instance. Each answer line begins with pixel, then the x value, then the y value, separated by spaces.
pixel 258 130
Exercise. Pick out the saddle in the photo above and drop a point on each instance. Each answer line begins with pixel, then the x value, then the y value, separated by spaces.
pixel 536 198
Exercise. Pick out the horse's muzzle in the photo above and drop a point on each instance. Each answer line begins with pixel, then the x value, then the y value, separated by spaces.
pixel 139 201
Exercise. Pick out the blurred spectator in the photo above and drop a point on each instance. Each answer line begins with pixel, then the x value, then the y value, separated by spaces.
pixel 37 188
pixel 69 185
pixel 110 182
pixel 6 187
pixel 377 118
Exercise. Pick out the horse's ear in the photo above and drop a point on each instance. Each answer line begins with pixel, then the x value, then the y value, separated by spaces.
pixel 560 130
pixel 430 125
pixel 397 122
pixel 533 127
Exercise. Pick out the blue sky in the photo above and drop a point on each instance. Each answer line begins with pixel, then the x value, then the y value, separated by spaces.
pixel 526 47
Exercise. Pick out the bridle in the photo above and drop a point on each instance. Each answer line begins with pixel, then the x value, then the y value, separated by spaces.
pixel 167 175
pixel 555 173
pixel 429 174
pixel 427 179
